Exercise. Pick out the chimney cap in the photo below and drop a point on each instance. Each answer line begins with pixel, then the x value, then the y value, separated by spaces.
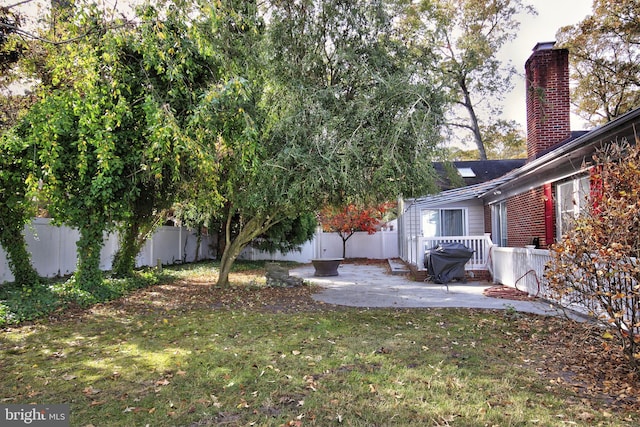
pixel 544 46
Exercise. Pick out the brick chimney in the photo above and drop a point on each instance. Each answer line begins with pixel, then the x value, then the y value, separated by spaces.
pixel 547 79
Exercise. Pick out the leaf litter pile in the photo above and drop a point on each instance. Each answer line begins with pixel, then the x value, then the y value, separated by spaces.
pixel 185 353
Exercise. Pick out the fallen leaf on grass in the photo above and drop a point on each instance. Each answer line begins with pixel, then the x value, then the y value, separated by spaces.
pixel 312 384
pixel 90 391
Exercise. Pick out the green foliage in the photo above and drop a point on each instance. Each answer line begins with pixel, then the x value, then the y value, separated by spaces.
pixel 358 118
pixel 127 117
pixel 339 112
pixel 287 235
pixel 470 33
pixel 605 60
pixel 80 130
pixel 452 175
pixel 504 140
pixel 212 105
pixel 596 263
pixel 20 303
pixel 17 169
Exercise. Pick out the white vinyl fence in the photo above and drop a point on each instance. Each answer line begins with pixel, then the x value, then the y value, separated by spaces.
pixel 522 268
pixel 381 245
pixel 53 248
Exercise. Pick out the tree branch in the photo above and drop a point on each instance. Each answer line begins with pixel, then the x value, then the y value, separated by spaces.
pixel 27 34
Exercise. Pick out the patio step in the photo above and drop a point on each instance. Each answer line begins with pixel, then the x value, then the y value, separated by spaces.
pixel 398 267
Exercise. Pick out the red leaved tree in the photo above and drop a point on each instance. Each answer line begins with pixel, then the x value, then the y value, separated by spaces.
pixel 348 219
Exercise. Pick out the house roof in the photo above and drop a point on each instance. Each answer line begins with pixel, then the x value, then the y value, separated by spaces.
pixel 575 149
pixel 472 172
pixel 457 194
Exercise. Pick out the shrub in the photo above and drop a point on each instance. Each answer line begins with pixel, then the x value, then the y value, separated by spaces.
pixel 597 263
pixel 19 303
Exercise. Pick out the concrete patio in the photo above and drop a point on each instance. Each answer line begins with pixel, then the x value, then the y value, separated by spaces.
pixel 360 285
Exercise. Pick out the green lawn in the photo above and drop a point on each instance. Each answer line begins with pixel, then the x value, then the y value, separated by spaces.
pixel 177 354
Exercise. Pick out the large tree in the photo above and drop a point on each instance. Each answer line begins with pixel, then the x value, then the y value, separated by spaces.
pixel 341 114
pixel 605 60
pixel 173 62
pixel 470 34
pixel 113 128
pixel 321 102
pixel 80 131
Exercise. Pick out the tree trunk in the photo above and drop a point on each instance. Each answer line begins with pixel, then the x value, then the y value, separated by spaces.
pixel 198 243
pixel 18 257
pixel 229 256
pixel 477 135
pixel 252 229
pixel 131 240
pixel 344 243
pixel 124 259
pixel 89 246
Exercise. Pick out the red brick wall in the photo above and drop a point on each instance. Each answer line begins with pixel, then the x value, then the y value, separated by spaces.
pixel 525 218
pixel 548 103
pixel 487 219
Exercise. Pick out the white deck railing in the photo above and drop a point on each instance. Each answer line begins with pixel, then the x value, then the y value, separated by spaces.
pixel 480 245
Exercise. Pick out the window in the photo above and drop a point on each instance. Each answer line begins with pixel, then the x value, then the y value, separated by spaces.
pixel 466 172
pixel 572 200
pixel 443 222
pixel 499 226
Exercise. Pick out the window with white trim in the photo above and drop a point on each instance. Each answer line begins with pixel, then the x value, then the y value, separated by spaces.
pixel 571 197
pixel 444 222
